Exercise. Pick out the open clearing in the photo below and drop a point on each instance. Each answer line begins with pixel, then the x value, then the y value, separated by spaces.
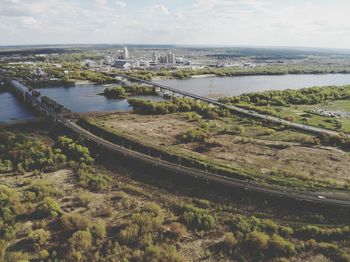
pixel 279 152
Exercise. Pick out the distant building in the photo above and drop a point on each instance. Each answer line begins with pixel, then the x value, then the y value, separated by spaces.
pixel 155 57
pixel 125 54
pixel 126 64
pixel 123 64
pixel 171 58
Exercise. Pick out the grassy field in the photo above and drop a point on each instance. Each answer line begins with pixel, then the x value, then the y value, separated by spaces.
pixel 301 114
pixel 281 156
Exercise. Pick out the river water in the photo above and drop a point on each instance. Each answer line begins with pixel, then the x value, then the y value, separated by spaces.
pixel 11 110
pixel 232 86
pixel 85 98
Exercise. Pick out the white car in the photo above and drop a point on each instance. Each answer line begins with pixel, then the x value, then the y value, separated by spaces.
pixel 321 197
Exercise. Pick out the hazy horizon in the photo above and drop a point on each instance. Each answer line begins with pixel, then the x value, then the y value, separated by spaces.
pixel 217 23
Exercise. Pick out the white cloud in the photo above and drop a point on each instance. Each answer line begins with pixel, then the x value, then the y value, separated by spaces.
pixel 224 22
pixel 159 9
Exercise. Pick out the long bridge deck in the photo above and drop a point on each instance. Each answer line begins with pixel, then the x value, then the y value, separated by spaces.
pixel 171 167
pixel 249 113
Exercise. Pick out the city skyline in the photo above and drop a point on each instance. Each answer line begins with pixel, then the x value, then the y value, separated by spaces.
pixel 196 22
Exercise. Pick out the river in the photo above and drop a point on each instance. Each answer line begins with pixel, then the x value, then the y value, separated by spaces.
pixel 11 110
pixel 237 85
pixel 85 98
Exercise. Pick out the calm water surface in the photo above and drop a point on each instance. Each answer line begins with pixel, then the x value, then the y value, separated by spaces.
pixel 11 110
pixel 85 98
pixel 231 86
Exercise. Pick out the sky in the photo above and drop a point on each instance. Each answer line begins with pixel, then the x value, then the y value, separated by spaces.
pixel 303 23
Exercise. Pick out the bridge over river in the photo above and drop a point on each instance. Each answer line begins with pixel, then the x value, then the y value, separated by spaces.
pixel 239 110
pixel 26 96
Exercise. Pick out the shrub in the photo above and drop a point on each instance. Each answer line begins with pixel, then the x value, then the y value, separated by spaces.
pixel 197 218
pixel 281 247
pixel 74 151
pixel 193 135
pixel 99 228
pixel 16 257
pixel 115 92
pixel 43 254
pixel 6 166
pixel 42 189
pixel 10 207
pixel 80 241
pixel 85 198
pixel 40 237
pixel 229 242
pixel 177 231
pixel 129 234
pixel 75 222
pixel 50 207
pixel 258 241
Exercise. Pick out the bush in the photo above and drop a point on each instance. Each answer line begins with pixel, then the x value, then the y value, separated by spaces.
pixel 197 218
pixel 281 247
pixel 43 254
pixel 40 237
pixel 50 207
pixel 75 222
pixel 6 166
pixel 74 151
pixel 229 242
pixel 99 228
pixel 193 135
pixel 129 234
pixel 10 207
pixel 258 241
pixel 80 241
pixel 115 92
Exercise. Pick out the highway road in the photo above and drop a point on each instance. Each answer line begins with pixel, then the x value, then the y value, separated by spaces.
pixel 250 113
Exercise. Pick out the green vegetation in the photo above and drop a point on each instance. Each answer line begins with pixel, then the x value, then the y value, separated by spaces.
pixel 50 207
pixel 74 151
pixel 50 216
pixel 238 71
pixel 177 105
pixel 197 218
pixel 122 92
pixel 115 92
pixel 304 96
pixel 22 154
pixel 300 105
pixel 193 135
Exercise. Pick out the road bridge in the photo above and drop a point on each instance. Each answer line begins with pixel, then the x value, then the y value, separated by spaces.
pixel 242 111
pixel 23 92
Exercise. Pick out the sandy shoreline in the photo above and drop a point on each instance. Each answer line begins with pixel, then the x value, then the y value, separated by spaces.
pixel 83 82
